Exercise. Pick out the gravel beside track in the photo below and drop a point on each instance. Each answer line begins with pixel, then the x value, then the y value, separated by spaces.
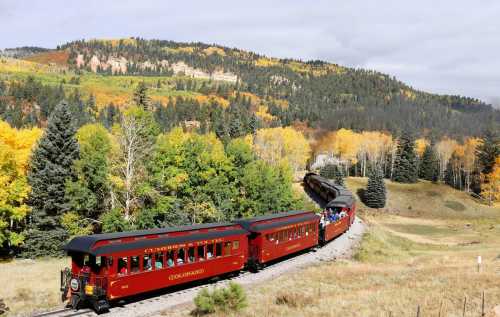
pixel 342 247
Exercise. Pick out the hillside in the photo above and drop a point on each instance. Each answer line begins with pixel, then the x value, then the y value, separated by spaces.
pixel 267 91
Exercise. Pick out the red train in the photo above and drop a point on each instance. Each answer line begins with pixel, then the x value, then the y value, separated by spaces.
pixel 107 267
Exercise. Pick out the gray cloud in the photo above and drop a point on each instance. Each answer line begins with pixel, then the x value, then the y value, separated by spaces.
pixel 440 46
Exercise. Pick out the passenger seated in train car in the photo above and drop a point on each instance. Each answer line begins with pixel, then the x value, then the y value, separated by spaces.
pixel 170 258
pixel 147 265
pixel 210 251
pixel 122 266
pixel 159 260
pixel 180 257
pixel 134 264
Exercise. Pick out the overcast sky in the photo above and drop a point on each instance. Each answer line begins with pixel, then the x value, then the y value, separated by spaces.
pixel 450 46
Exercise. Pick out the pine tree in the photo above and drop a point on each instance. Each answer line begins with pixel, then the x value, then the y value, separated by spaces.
pixel 141 97
pixel 51 167
pixel 405 165
pixel 488 151
pixel 375 194
pixel 429 168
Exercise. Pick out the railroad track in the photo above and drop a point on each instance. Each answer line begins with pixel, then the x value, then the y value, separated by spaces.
pixel 66 312
pixel 150 306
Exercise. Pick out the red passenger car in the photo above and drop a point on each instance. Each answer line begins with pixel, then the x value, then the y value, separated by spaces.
pixel 278 235
pixel 343 204
pixel 106 267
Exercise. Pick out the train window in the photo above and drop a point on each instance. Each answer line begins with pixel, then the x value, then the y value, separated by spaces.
pixel 86 260
pixel 210 251
pixel 159 260
pixel 122 266
pixel 201 252
pixel 170 258
pixel 181 256
pixel 236 245
pixel 134 264
pixel 147 260
pixel 227 248
pixel 191 257
pixel 218 249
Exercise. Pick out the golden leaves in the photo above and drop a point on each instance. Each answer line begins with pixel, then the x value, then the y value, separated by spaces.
pixel 275 145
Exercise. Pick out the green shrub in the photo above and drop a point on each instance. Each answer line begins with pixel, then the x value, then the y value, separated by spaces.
pixel 231 298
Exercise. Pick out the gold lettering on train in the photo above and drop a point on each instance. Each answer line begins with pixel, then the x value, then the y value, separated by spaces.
pixel 294 246
pixel 185 274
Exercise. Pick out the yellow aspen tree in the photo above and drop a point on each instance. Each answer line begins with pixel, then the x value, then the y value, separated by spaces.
pixel 420 145
pixel 275 145
pixel 444 150
pixel 469 159
pixel 15 150
pixel 491 183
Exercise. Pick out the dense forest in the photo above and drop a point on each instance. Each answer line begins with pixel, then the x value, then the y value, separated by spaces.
pixel 276 92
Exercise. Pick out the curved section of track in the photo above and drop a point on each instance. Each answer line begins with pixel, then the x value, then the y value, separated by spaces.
pixel 341 247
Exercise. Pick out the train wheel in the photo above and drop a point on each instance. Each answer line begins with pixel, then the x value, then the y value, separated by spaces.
pixel 101 306
pixel 75 302
pixel 254 266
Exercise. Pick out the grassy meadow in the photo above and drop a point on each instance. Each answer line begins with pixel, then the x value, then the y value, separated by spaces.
pixel 421 250
pixel 28 286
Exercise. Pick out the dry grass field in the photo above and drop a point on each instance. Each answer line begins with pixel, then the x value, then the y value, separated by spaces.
pixel 27 285
pixel 421 250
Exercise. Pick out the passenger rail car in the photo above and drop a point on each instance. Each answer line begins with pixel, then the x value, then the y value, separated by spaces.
pixel 108 267
pixel 276 236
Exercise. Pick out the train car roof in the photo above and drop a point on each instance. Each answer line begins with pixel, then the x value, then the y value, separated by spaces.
pixel 265 222
pixel 341 201
pixel 86 244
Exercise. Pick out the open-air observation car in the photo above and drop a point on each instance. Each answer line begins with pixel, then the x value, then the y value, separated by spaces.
pixel 278 235
pixel 106 267
pixel 341 204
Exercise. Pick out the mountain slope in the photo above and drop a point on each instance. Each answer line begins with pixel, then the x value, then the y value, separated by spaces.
pixel 281 91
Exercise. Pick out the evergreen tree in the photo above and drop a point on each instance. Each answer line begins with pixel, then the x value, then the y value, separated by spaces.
pixel 141 98
pixel 405 165
pixel 488 151
pixel 429 168
pixel 51 167
pixel 375 194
